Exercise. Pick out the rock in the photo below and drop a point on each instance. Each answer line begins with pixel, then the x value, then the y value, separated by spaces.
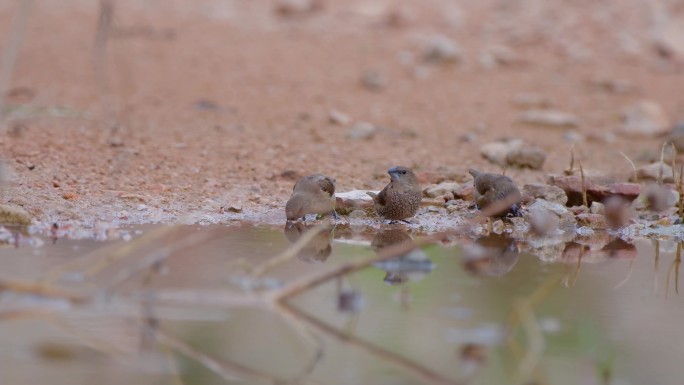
pixel 541 204
pixel 645 118
pixel 677 136
pixel 441 189
pixel 14 216
pixel 346 202
pixel 595 221
pixel 362 130
pixel 498 55
pixel 513 152
pixel 373 81
pixel 297 7
pixel 497 151
pixel 597 208
pixel 542 220
pixel 440 49
pixel 529 100
pixel 357 213
pixel 231 209
pixel 668 38
pixel 596 191
pixel 440 175
pixel 549 118
pixel 573 136
pixel 465 192
pixel 652 172
pixel 614 86
pixel 526 157
pixel 339 118
pixel 547 192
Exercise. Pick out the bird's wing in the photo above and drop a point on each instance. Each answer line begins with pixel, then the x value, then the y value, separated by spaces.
pixel 381 197
pixel 327 185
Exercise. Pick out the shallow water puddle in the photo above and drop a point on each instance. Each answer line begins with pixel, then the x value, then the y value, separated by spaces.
pixel 305 305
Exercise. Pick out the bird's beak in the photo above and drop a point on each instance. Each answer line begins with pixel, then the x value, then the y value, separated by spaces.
pixel 394 173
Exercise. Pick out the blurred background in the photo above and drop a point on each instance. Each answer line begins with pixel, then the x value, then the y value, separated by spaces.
pixel 126 112
pixel 198 105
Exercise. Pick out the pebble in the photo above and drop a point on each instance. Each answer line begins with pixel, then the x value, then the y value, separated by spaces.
pixel 541 205
pixel 339 118
pixel 526 157
pixel 597 188
pixel 651 172
pixel 441 189
pixel 677 136
pixel 440 49
pixel 542 220
pixel 14 216
pixel 297 7
pixel 595 221
pixel 530 100
pixel 597 208
pixel 349 201
pixel 668 37
pixel 373 81
pixel 549 118
pixel 513 152
pixel 645 118
pixel 547 192
pixel 361 131
pixel 496 56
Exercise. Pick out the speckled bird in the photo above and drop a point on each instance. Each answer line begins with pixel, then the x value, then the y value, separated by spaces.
pixel 491 188
pixel 400 199
pixel 313 194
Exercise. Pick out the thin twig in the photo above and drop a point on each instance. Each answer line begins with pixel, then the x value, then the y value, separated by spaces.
pixel 229 371
pixel 163 253
pixel 655 266
pixel 636 176
pixel 39 289
pixel 571 168
pixel 103 256
pixel 629 275
pixel 585 202
pixel 418 370
pixel 291 251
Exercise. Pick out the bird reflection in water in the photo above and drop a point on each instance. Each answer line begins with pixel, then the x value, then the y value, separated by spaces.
pixel 491 255
pixel 412 265
pixel 316 251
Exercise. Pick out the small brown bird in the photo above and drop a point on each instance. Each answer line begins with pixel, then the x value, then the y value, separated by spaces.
pixel 491 188
pixel 313 194
pixel 400 199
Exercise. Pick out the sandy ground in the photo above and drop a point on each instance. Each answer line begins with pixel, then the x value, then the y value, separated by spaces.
pixel 211 104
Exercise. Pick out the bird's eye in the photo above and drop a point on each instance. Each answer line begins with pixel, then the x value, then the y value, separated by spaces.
pixel 403 172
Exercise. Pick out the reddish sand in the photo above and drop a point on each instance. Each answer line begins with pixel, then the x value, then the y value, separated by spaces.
pixel 213 101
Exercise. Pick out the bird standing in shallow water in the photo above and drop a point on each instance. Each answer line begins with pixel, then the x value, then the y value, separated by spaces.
pixel 313 194
pixel 493 188
pixel 400 199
